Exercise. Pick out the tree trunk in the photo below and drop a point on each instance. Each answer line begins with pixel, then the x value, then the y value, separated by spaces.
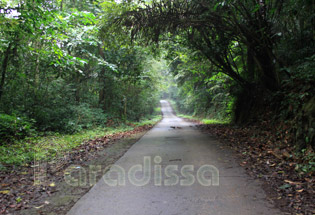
pixel 78 88
pixel 4 68
pixel 250 64
pixel 102 82
pixel 102 91
pixel 125 108
pixel 269 78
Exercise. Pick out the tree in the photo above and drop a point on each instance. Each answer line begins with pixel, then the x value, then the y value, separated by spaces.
pixel 239 38
pixel 58 69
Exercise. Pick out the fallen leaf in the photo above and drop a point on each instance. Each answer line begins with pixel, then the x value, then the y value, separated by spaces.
pixel 39 207
pixel 18 199
pixel 5 192
pixel 285 186
pixel 292 182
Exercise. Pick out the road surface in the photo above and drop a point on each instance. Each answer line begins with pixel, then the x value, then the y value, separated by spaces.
pixel 175 170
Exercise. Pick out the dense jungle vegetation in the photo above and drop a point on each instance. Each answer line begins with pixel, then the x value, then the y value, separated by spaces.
pixel 68 66
pixel 252 59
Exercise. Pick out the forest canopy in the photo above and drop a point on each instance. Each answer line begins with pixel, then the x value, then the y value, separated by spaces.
pixel 260 54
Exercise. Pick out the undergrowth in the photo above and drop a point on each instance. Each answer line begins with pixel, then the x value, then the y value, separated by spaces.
pixel 23 152
pixel 198 118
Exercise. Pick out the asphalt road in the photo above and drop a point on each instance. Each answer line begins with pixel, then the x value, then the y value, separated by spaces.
pixel 175 170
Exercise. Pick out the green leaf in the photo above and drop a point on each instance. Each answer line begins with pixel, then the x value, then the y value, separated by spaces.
pixel 284 186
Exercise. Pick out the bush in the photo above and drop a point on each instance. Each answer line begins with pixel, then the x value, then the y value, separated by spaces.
pixel 70 118
pixel 13 127
pixel 88 117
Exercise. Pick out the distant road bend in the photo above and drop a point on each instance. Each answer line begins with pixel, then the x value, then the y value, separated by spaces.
pixel 172 170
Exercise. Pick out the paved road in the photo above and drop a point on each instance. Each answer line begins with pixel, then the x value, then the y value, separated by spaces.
pixel 178 177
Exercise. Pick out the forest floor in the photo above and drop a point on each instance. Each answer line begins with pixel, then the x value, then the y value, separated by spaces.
pixel 51 194
pixel 265 154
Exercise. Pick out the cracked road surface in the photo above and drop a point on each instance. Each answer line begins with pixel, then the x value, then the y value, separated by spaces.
pixel 172 170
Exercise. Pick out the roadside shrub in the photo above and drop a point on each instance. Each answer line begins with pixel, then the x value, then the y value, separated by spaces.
pixel 298 102
pixel 70 118
pixel 88 117
pixel 13 127
pixel 54 118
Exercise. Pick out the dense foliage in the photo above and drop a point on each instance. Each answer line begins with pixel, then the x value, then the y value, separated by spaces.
pixel 61 71
pixel 256 55
pixel 70 65
pixel 75 76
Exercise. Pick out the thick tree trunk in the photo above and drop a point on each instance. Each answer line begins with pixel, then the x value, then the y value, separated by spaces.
pixel 269 78
pixel 4 68
pixel 250 64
